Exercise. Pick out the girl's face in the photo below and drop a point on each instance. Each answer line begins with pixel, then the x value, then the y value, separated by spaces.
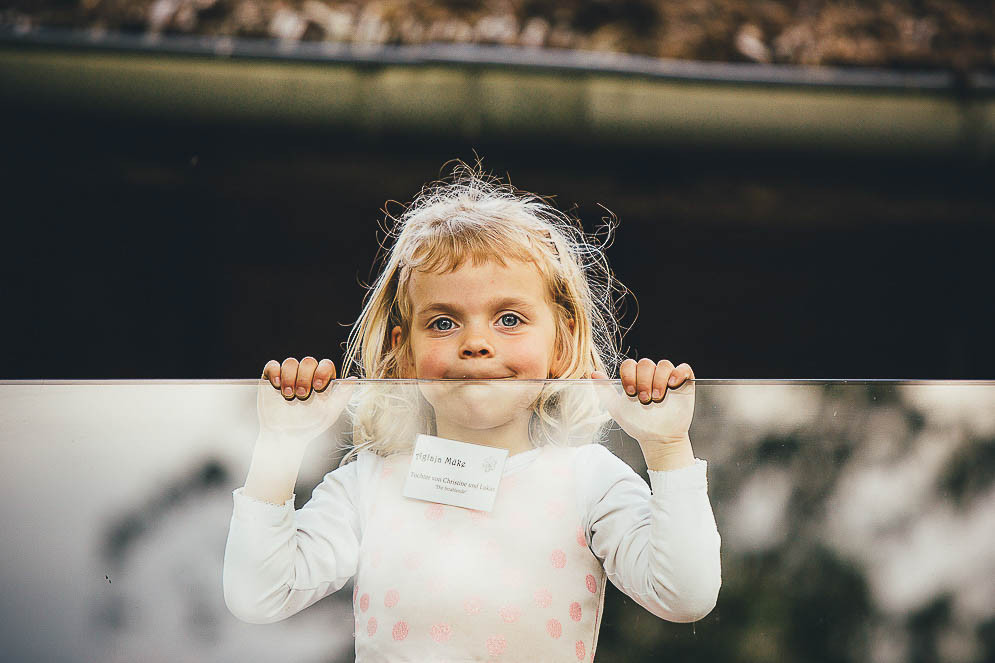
pixel 480 321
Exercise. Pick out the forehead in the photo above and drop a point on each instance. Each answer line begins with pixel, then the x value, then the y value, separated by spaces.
pixel 489 280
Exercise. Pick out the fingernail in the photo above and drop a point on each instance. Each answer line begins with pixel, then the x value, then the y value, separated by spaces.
pixel 630 390
pixel 317 383
pixel 644 396
pixel 673 380
pixel 288 391
pixel 656 394
pixel 276 381
pixel 301 391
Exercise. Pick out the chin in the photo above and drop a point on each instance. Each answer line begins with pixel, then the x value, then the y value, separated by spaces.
pixel 481 404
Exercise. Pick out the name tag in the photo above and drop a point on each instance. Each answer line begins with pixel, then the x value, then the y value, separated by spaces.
pixel 455 473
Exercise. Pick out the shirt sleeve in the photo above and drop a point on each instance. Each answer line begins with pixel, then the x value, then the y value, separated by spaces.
pixel 662 547
pixel 279 561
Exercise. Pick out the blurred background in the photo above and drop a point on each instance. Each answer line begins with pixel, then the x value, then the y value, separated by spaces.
pixel 857 524
pixel 804 190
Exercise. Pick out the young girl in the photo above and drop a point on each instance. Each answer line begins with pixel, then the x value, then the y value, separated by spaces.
pixel 482 282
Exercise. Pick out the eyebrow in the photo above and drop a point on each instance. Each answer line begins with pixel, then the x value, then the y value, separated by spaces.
pixel 506 302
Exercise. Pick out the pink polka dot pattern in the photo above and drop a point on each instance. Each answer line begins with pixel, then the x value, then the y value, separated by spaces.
pixel 493 601
pixel 509 614
pixel 472 606
pixel 558 558
pixel 554 628
pixel 441 632
pixel 496 645
pixel 575 611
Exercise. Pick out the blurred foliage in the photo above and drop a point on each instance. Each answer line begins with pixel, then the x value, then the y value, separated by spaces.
pixel 126 530
pixel 970 472
pixel 926 625
pixel 895 33
pixel 775 606
pixel 811 578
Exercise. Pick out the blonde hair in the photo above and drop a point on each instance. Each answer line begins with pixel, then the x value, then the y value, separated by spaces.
pixel 475 216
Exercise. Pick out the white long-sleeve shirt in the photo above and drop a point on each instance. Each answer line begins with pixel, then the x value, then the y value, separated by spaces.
pixel 524 582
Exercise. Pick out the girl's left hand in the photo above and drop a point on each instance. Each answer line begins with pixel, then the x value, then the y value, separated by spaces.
pixel 658 403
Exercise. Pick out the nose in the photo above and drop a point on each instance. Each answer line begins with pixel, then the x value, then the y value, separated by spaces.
pixel 476 344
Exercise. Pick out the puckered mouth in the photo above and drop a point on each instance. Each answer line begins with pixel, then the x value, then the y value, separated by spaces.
pixel 480 377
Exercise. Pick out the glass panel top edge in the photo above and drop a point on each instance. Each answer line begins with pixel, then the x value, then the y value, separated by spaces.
pixel 705 382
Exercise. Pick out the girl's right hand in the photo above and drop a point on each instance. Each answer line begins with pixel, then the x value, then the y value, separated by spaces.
pixel 294 399
pixel 296 378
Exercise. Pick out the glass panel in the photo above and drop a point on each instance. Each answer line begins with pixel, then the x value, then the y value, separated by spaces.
pixel 857 518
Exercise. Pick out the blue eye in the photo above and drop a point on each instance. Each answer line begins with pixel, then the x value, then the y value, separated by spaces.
pixel 436 324
pixel 514 319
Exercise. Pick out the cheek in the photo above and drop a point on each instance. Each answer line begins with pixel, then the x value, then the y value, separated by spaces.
pixel 429 363
pixel 531 357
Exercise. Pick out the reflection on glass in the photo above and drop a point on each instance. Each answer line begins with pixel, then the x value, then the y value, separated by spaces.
pixel 856 521
pixel 487 523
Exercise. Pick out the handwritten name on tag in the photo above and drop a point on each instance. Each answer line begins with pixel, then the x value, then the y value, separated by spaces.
pixel 455 473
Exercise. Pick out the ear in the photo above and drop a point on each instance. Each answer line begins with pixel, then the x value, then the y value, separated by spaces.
pixel 402 361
